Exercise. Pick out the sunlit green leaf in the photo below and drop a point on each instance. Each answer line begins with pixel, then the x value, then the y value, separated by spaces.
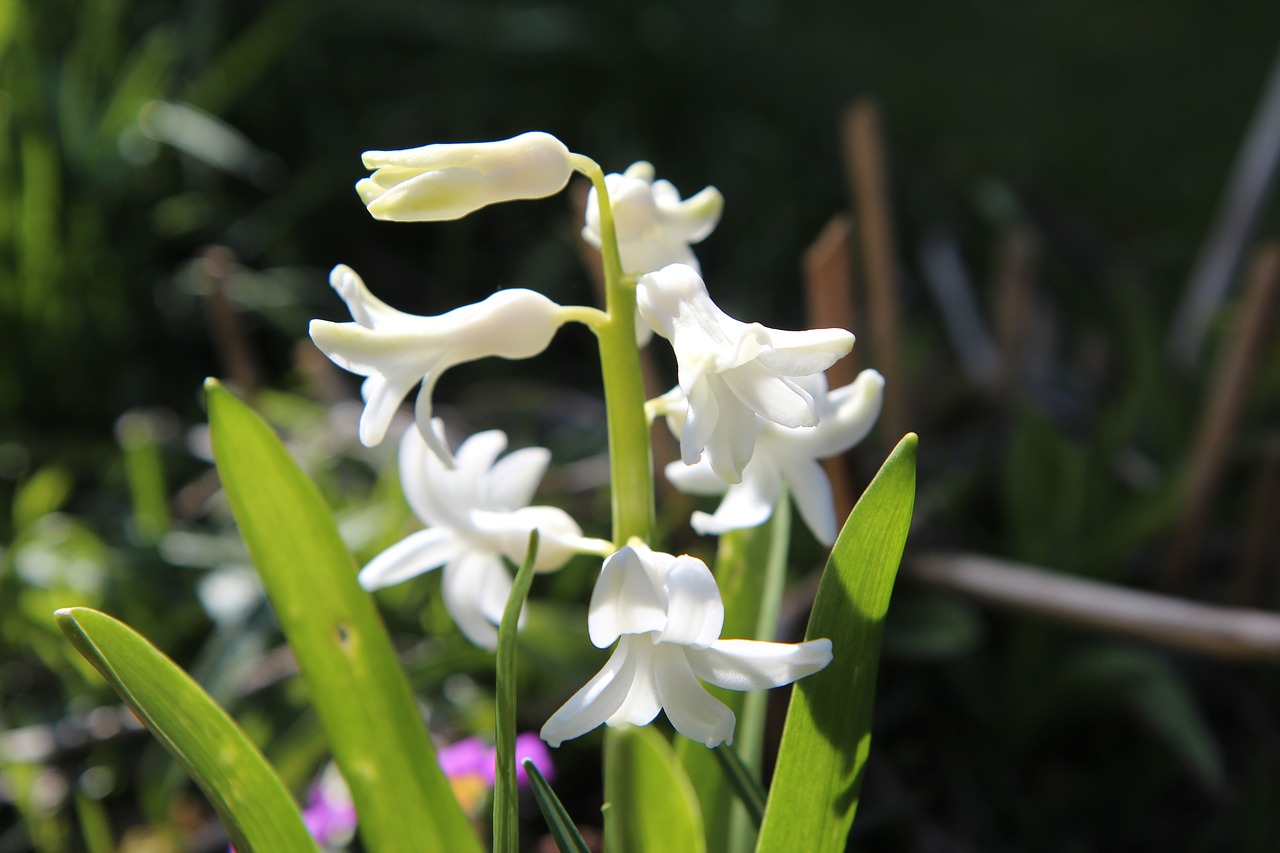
pixel 652 805
pixel 815 787
pixel 344 654
pixel 252 802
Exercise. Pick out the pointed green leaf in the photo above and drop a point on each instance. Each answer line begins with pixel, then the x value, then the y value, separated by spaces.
pixel 506 806
pixel 652 806
pixel 559 824
pixel 252 802
pixel 346 659
pixel 827 736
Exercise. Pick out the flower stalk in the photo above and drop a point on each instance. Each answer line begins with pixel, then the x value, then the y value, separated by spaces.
pixel 630 453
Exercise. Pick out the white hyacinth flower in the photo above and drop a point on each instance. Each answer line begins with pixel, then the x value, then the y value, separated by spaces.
pixel 450 180
pixel 476 514
pixel 654 226
pixel 731 371
pixel 396 351
pixel 666 613
pixel 782 455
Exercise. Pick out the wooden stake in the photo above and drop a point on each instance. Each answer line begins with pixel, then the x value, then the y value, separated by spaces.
pixel 869 188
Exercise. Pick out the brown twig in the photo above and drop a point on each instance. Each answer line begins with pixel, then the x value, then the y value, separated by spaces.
pixel 1013 309
pixel 1225 632
pixel 869 188
pixel 1254 326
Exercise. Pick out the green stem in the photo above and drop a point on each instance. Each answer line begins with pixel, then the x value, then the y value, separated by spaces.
pixel 630 456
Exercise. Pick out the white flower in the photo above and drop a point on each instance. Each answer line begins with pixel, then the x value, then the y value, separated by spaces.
pixel 448 181
pixel 731 371
pixel 783 455
pixel 396 350
pixel 666 614
pixel 654 226
pixel 477 514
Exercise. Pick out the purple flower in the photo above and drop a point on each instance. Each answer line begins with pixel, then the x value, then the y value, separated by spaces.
pixel 473 757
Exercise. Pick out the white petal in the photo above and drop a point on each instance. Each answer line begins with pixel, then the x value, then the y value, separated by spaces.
pixel 642 703
pixel 559 536
pixel 746 504
pixel 754 665
pixel 730 447
pixel 700 422
pixel 771 396
pixel 802 353
pixel 366 309
pixel 475 457
pixel 514 478
pixel 476 587
pixel 432 429
pixel 693 711
pixel 626 600
pixel 596 702
pixel 425 481
pixel 812 493
pixel 696 479
pixel 382 396
pixel 695 611
pixel 850 413
pixel 416 553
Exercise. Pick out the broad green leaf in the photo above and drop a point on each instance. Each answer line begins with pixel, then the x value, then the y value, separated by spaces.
pixel 751 567
pixel 827 735
pixel 249 797
pixel 652 805
pixel 345 657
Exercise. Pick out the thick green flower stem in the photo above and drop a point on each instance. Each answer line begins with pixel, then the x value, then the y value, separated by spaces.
pixel 630 456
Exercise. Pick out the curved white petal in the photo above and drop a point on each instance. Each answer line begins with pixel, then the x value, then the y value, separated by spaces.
pixel 475 588
pixel 749 503
pixel 696 479
pixel 425 481
pixel 366 309
pixel 700 422
pixel 771 396
pixel 729 447
pixel 515 477
pixel 695 611
pixel 754 665
pixel 474 458
pixel 693 711
pixel 802 353
pixel 559 536
pixel 626 599
pixel 848 415
pixel 596 702
pixel 642 703
pixel 382 396
pixel 811 491
pixel 416 553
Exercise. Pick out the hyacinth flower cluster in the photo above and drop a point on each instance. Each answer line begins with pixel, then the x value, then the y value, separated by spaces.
pixel 751 410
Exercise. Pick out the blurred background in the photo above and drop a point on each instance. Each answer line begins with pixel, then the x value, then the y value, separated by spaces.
pixel 1051 226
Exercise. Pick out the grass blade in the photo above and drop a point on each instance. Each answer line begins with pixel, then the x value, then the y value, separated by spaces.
pixel 506 811
pixel 743 780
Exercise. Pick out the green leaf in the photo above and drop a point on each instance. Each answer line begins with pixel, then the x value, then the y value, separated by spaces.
pixel 827 736
pixel 652 805
pixel 751 567
pixel 559 823
pixel 249 797
pixel 506 806
pixel 344 654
